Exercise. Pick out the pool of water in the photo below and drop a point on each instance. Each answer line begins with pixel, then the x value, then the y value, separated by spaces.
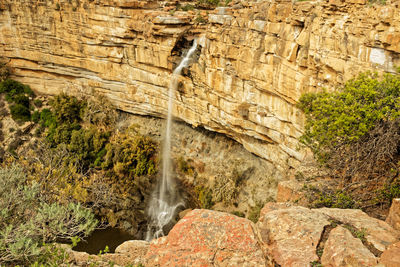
pixel 99 239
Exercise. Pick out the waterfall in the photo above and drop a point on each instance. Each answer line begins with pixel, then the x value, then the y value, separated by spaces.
pixel 165 199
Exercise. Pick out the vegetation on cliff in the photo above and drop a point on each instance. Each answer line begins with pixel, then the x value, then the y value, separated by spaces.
pixel 28 220
pixel 355 131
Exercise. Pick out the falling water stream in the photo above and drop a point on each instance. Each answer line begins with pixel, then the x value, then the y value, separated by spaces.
pixel 165 198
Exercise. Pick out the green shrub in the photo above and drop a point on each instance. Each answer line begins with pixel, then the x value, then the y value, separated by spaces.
pixel 27 221
pixel 47 118
pixel 338 199
pixel 38 103
pixel 20 112
pixel 13 88
pixel 342 117
pixel 88 146
pixel 204 197
pixel 130 154
pixel 67 109
pixel 35 116
pixel 254 213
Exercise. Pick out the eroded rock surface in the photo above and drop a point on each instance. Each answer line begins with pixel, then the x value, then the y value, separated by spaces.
pixel 298 236
pixel 254 61
pixel 291 235
pixel 208 238
pixel 342 249
pixel 377 232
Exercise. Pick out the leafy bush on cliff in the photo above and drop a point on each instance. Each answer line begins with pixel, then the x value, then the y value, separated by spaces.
pixel 27 221
pixel 355 131
pixel 17 94
pixel 130 154
pixel 343 117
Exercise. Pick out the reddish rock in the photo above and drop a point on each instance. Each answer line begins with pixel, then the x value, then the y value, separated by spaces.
pixel 270 206
pixel 393 218
pixel 342 249
pixel 291 235
pixel 207 238
pixel 378 233
pixel 289 191
pixel 391 256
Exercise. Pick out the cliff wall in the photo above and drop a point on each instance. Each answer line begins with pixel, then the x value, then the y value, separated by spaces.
pixel 253 62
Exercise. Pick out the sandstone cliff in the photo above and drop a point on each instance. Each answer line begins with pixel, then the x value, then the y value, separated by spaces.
pixel 254 59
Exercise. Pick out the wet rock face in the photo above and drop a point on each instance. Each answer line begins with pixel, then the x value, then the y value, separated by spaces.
pixel 208 238
pixel 255 61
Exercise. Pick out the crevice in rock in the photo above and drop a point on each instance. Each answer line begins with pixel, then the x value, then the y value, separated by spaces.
pixel 360 234
pixel 324 237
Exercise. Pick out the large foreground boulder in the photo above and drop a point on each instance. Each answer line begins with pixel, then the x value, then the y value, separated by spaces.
pixel 291 235
pixel 208 238
pixel 298 236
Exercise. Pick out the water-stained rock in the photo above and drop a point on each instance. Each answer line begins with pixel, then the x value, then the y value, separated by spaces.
pixel 208 238
pixel 342 249
pixel 291 235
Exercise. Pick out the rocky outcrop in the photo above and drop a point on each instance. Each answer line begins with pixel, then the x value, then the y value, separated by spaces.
pixel 291 235
pixel 208 238
pixel 297 236
pixel 128 253
pixel 342 249
pixel 254 59
pixel 285 235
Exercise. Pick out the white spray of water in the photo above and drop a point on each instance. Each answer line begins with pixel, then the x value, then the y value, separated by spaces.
pixel 165 200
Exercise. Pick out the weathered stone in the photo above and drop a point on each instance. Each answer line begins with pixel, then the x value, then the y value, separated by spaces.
pixel 377 232
pixel 342 249
pixel 291 235
pixel 264 53
pixel 289 191
pixel 393 219
pixel 391 256
pixel 270 206
pixel 129 252
pixel 207 238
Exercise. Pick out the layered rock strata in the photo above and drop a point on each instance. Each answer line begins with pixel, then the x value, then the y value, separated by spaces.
pixel 254 59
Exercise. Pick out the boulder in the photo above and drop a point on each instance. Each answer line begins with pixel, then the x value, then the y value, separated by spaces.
pixel 291 235
pixel 377 232
pixel 342 249
pixel 270 206
pixel 391 256
pixel 129 252
pixel 207 238
pixel 393 219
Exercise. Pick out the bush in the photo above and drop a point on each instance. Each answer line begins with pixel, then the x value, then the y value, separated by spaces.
pixel 36 116
pixel 131 154
pixel 13 88
pixel 38 103
pixel 67 109
pixel 20 112
pixel 204 197
pixel 345 116
pixel 28 222
pixel 88 146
